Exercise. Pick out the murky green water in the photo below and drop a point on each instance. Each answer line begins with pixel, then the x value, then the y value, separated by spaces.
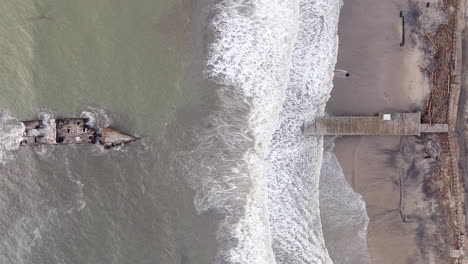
pixel 131 62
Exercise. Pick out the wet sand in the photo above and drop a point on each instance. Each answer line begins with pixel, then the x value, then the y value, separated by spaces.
pixel 384 78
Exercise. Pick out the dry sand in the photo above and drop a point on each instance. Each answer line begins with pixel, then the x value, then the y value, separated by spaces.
pixel 384 78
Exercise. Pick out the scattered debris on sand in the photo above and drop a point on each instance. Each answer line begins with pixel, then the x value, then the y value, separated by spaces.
pixel 443 72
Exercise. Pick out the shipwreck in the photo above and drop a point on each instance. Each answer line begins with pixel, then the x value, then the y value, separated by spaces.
pixel 66 131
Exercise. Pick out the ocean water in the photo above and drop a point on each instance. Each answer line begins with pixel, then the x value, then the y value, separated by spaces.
pixel 119 63
pixel 218 90
pixel 273 62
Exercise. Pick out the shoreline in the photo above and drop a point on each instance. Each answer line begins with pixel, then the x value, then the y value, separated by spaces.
pixel 373 165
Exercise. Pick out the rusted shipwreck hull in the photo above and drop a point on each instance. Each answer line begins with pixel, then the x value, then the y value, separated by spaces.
pixel 71 131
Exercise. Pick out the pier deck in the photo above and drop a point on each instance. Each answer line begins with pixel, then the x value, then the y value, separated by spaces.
pixel 395 124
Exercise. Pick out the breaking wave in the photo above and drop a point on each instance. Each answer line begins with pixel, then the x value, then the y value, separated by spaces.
pixel 97 118
pixel 294 162
pixel 273 62
pixel 11 132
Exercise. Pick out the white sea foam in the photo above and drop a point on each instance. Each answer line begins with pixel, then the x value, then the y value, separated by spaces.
pixel 273 61
pixel 11 132
pixel 250 57
pixel 294 160
pixel 45 151
pixel 97 118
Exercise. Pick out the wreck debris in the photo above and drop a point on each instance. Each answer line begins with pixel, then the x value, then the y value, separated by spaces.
pixel 70 131
pixel 111 137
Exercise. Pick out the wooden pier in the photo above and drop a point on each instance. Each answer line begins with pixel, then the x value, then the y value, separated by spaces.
pixel 394 124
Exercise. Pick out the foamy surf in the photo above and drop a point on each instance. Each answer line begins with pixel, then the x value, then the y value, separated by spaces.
pixel 11 132
pixel 294 160
pixel 249 59
pixel 273 62
pixel 97 118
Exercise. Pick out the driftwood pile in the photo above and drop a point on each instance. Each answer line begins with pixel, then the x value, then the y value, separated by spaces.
pixel 439 71
pixel 445 180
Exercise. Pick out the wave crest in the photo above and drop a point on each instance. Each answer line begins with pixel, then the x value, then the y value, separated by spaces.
pixel 11 132
pixel 273 61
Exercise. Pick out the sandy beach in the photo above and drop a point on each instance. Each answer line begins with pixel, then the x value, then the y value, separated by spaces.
pixel 384 78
